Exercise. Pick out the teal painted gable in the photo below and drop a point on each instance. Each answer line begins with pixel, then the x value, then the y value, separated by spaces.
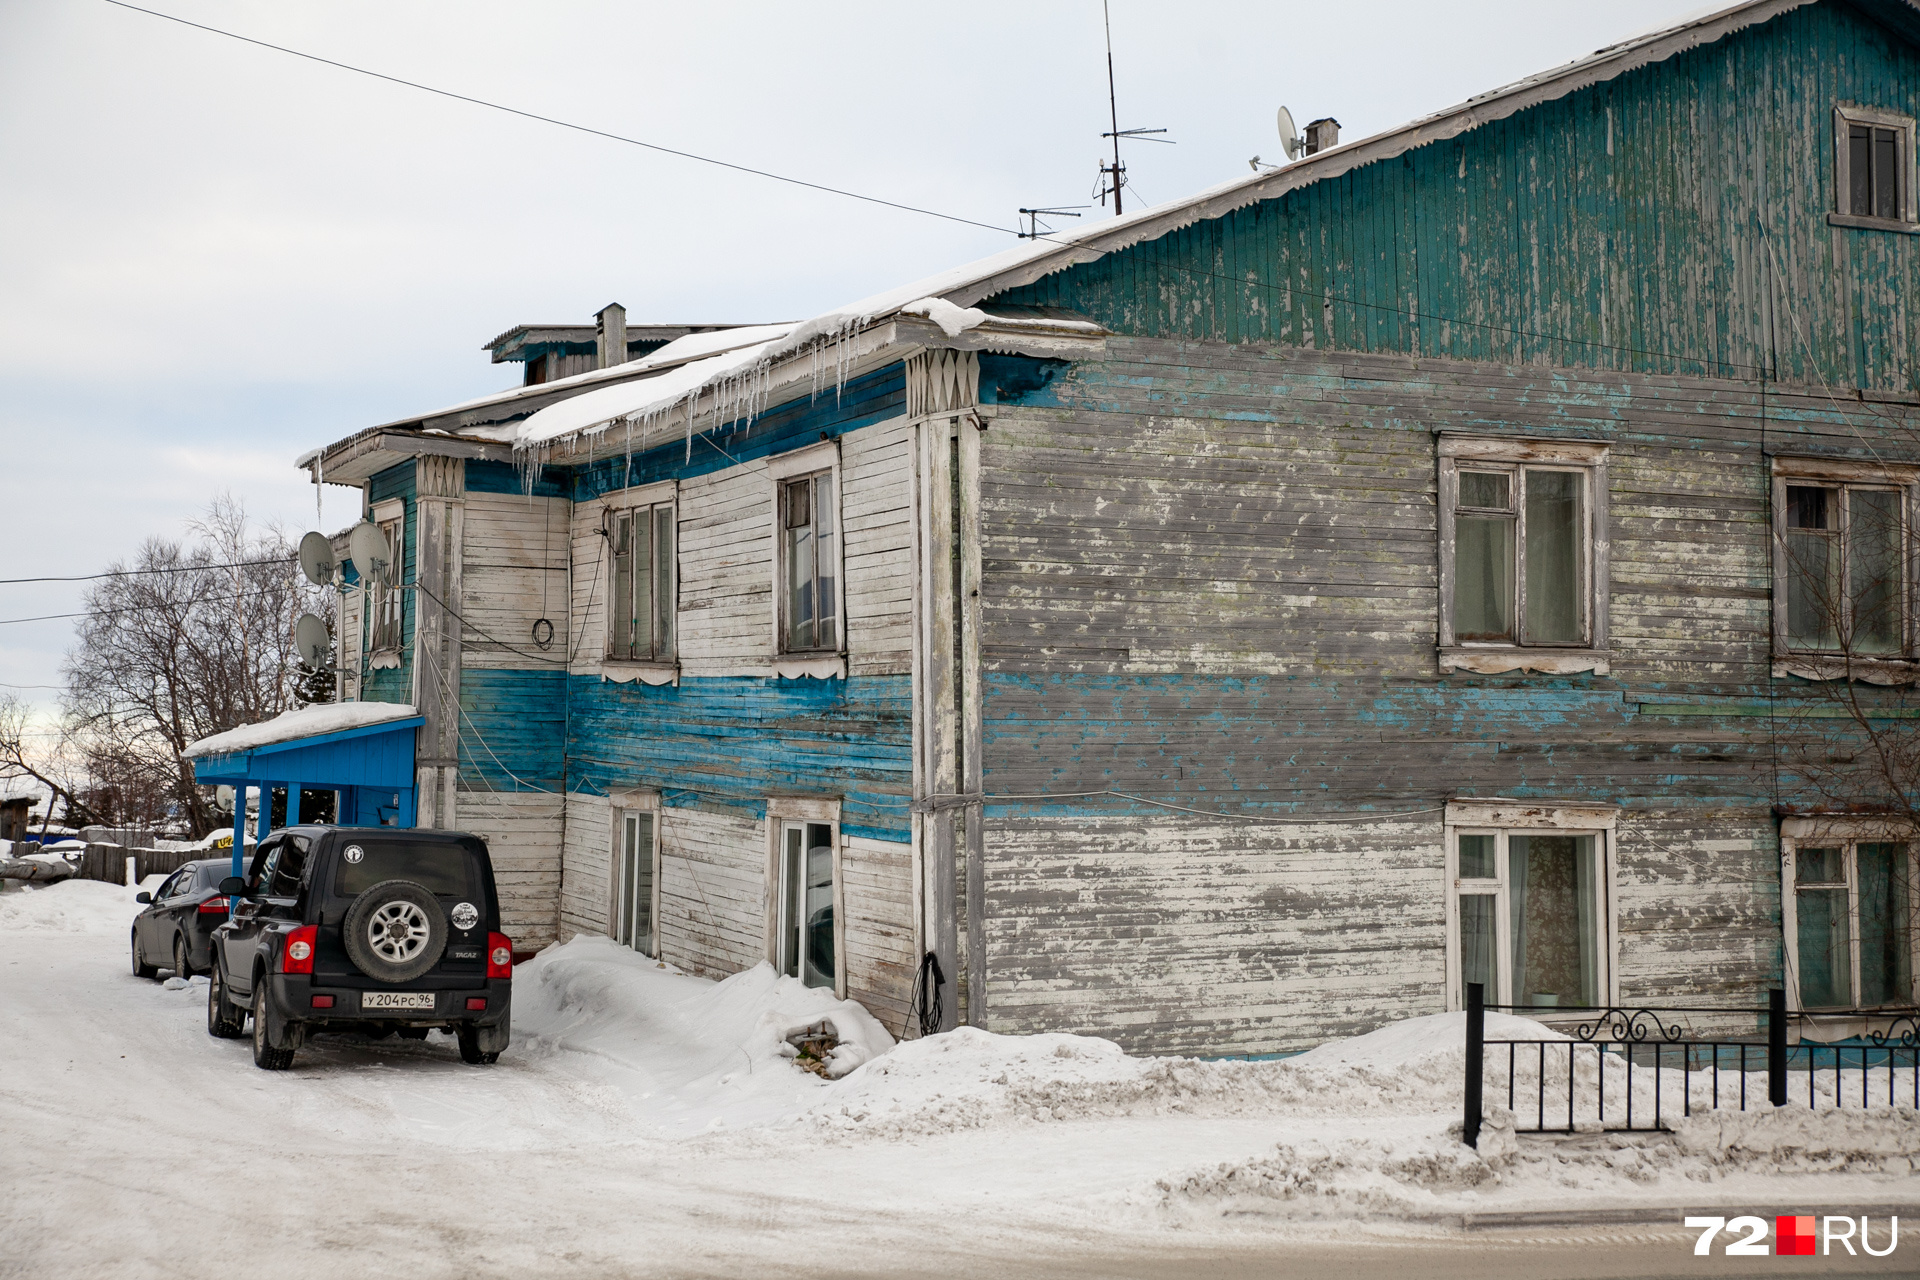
pixel 1633 225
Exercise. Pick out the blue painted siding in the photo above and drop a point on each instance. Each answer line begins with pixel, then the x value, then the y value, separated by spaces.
pixel 502 477
pixel 1625 226
pixel 513 730
pixel 729 741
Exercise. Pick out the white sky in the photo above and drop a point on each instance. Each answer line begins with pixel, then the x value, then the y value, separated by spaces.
pixel 216 256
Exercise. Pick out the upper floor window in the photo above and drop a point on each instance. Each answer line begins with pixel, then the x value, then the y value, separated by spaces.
pixel 388 598
pixel 640 622
pixel 1522 563
pixel 1873 168
pixel 809 561
pixel 1841 575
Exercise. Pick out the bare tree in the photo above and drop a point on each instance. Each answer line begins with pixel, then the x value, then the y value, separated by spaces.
pixel 55 767
pixel 197 639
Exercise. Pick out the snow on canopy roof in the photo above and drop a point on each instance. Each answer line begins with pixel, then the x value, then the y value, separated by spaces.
pixel 738 382
pixel 307 722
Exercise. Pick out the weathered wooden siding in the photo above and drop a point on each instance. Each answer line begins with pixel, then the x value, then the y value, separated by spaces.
pixel 522 830
pixel 515 563
pixel 1625 226
pixel 876 878
pixel 713 890
pixel 1210 579
pixel 395 684
pixel 586 883
pixel 876 513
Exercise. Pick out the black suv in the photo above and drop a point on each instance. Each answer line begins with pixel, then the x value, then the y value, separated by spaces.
pixel 371 929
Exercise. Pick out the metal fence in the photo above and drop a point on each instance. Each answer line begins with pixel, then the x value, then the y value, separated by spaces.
pixel 1621 1070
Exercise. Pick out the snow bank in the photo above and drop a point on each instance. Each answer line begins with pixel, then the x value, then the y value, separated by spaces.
pixel 331 717
pixel 69 906
pixel 704 1054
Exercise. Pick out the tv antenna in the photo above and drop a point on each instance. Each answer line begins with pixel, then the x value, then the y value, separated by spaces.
pixel 316 559
pixel 1113 176
pixel 1034 230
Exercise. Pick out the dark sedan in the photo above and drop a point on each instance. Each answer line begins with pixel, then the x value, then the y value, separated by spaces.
pixel 180 917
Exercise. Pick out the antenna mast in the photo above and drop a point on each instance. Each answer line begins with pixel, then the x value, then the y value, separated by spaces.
pixel 1114 176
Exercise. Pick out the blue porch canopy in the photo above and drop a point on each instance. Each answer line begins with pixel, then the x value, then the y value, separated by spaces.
pixel 362 751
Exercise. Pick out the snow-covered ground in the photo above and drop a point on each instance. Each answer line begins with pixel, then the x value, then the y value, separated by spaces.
pixel 648 1122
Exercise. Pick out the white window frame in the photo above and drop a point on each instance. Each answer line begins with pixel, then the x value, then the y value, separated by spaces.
pixel 385 596
pixel 1505 818
pixel 784 812
pixel 1846 833
pixel 1811 664
pixel 649 498
pixel 1512 455
pixel 782 469
pixel 1845 116
pixel 624 805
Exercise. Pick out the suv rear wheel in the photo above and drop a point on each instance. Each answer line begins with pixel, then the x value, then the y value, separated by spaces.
pixel 265 1055
pixel 223 1020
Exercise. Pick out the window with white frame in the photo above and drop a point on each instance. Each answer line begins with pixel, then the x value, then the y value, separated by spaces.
pixel 804 927
pixel 1522 544
pixel 1849 915
pixel 1529 914
pixel 640 615
pixel 387 595
pixel 635 880
pixel 808 565
pixel 1873 168
pixel 1842 581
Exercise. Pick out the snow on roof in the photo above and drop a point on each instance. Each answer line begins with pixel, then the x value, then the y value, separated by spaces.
pixel 307 722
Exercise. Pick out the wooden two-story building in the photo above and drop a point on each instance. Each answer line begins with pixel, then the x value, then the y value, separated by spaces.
pixel 1239 623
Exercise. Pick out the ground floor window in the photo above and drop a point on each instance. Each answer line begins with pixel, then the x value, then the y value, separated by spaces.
pixel 1850 917
pixel 634 880
pixel 804 933
pixel 1529 915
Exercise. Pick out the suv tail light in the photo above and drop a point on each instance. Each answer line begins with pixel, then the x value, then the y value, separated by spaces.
pixel 298 957
pixel 211 905
pixel 499 956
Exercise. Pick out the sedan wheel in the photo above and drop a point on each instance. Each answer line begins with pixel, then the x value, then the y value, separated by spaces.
pixel 182 967
pixel 141 969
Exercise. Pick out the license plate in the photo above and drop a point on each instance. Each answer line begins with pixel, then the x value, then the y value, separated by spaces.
pixel 397 1000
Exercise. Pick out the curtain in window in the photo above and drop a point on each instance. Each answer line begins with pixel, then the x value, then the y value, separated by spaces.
pixel 1824 939
pixel 1873 569
pixel 1886 926
pixel 1813 568
pixel 1483 578
pixel 1477 942
pixel 1553 557
pixel 1553 920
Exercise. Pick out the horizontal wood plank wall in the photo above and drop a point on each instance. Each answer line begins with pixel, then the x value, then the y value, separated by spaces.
pixel 877 888
pixel 515 569
pixel 586 883
pixel 726 572
pixel 522 831
pixel 1636 225
pixel 876 511
pixel 713 897
pixel 1210 579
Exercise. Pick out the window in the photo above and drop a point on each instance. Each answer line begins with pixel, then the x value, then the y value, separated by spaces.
pixel 1850 920
pixel 1841 571
pixel 1873 168
pixel 809 604
pixel 640 621
pixel 1522 550
pixel 634 880
pixel 387 596
pixel 804 937
pixel 1529 909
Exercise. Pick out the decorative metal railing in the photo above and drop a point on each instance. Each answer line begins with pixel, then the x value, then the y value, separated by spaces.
pixel 1639 1069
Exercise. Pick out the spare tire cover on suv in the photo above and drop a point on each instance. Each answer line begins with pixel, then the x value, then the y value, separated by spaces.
pixel 395 931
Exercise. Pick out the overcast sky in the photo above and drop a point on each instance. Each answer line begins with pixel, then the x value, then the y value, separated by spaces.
pixel 214 256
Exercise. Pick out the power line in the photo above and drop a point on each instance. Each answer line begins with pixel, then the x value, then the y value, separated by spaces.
pixel 565 124
pixel 134 573
pixel 113 613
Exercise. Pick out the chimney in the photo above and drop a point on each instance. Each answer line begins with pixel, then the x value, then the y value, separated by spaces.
pixel 1322 134
pixel 610 344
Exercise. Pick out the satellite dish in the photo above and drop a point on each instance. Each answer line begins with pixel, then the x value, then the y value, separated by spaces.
pixel 311 641
pixel 223 796
pixel 368 547
pixel 1289 135
pixel 316 559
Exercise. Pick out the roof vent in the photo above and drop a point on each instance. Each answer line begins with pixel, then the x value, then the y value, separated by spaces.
pixel 610 342
pixel 1322 135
